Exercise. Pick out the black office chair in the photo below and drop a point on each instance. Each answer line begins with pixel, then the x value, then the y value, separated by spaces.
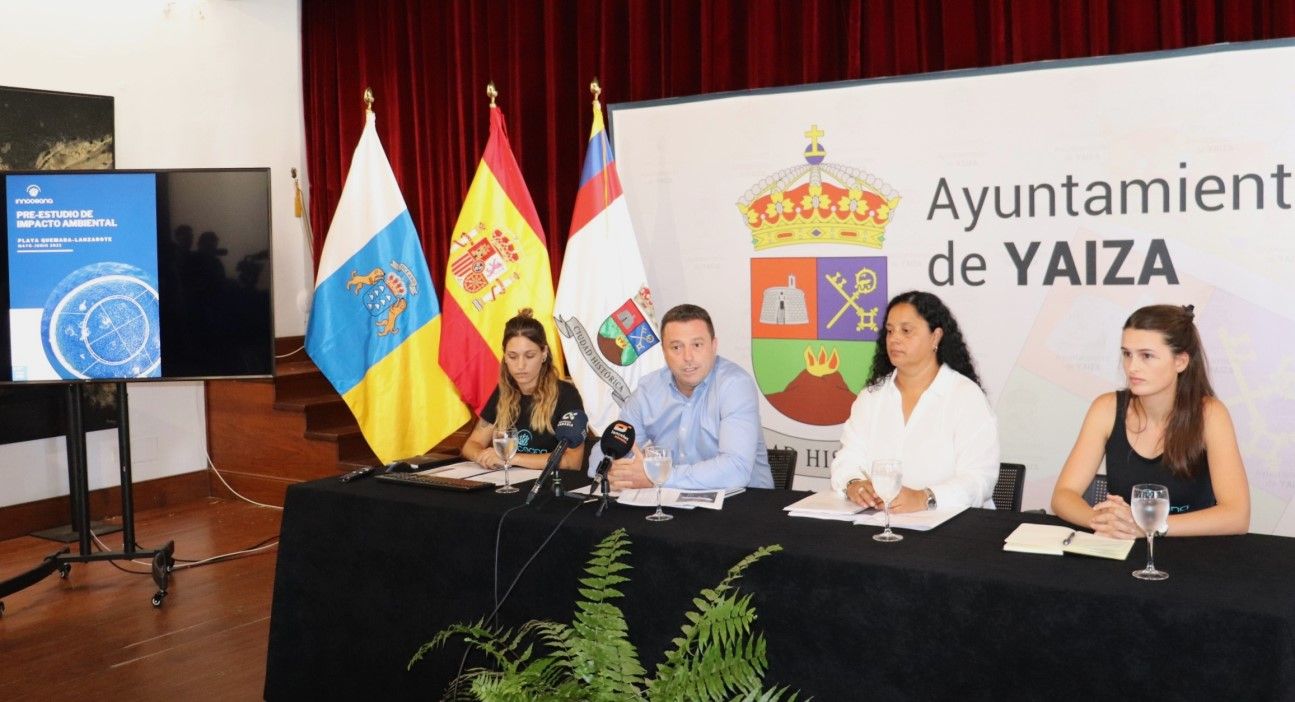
pixel 782 463
pixel 1010 486
pixel 1096 491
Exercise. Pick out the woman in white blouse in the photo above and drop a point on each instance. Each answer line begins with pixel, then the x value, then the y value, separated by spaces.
pixel 923 405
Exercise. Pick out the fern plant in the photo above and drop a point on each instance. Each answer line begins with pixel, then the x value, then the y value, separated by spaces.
pixel 718 655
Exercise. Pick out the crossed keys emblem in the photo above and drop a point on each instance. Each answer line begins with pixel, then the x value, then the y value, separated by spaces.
pixel 642 338
pixel 865 281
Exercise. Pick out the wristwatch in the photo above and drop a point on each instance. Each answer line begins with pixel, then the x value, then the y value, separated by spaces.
pixel 930 499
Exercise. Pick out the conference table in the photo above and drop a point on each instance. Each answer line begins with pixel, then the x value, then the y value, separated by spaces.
pixel 368 571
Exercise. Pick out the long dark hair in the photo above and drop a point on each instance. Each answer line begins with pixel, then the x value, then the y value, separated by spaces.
pixel 952 350
pixel 546 391
pixel 1184 439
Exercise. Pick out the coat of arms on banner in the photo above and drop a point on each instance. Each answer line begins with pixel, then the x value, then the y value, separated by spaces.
pixel 626 334
pixel 483 267
pixel 815 321
pixel 384 294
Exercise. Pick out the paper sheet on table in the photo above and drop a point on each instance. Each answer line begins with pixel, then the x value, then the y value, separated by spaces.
pixel 472 471
pixel 824 505
pixel 913 521
pixel 677 499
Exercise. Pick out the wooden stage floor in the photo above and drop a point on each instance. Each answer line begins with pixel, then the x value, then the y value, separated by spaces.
pixel 96 634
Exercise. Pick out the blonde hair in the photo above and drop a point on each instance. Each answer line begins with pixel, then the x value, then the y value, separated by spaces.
pixel 545 397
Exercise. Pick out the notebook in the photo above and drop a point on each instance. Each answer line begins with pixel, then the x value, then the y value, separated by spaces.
pixel 1052 540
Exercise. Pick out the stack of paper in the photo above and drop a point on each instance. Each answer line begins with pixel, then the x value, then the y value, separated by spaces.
pixel 913 521
pixel 468 470
pixel 678 499
pixel 832 505
pixel 825 505
pixel 1057 540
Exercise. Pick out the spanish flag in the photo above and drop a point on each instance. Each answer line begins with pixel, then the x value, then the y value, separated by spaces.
pixel 375 325
pixel 498 264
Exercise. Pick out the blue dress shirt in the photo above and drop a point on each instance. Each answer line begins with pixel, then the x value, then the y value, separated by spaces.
pixel 714 435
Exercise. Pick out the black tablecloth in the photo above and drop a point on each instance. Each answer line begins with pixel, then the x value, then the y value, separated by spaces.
pixel 368 571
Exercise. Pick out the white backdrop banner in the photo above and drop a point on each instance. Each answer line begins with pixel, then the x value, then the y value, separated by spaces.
pixel 1043 204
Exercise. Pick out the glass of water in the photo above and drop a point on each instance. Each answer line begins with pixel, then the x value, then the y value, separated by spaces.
pixel 657 463
pixel 505 442
pixel 1150 505
pixel 887 476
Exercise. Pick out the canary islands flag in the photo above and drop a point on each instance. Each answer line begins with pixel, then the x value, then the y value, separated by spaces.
pixel 498 264
pixel 375 325
pixel 604 306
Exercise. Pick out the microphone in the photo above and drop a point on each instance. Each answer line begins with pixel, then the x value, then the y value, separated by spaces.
pixel 570 431
pixel 616 443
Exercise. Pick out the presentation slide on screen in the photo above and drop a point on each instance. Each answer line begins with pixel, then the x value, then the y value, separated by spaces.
pixel 1043 203
pixel 83 293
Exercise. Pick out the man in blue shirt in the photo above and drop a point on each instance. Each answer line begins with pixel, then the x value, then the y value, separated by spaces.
pixel 704 408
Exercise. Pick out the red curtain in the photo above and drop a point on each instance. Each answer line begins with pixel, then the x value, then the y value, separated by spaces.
pixel 429 61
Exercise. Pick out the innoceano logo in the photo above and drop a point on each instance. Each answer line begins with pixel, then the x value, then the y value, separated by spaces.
pixel 33 197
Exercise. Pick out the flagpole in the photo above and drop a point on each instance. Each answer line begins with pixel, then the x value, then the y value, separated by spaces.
pixel 302 212
pixel 491 93
pixel 597 90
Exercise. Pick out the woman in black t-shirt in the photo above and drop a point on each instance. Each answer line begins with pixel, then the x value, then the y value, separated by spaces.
pixel 1166 428
pixel 530 396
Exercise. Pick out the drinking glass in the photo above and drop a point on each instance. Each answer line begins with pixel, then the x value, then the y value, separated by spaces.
pixel 1150 504
pixel 505 441
pixel 887 476
pixel 657 463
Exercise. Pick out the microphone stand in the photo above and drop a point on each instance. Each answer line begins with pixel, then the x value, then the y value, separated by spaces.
pixel 558 492
pixel 606 488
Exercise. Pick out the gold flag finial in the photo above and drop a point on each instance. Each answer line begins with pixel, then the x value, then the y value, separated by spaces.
pixel 597 90
pixel 491 92
pixel 368 99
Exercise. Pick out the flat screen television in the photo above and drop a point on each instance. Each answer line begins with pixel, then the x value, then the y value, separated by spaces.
pixel 134 275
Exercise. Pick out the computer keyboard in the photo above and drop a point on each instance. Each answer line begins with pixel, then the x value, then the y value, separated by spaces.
pixel 438 482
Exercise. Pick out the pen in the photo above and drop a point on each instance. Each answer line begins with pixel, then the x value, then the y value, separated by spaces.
pixel 1069 538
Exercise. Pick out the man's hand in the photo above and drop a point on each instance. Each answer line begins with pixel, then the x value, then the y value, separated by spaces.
pixel 627 472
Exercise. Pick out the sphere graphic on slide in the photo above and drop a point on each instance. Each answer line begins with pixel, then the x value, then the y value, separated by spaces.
pixel 101 321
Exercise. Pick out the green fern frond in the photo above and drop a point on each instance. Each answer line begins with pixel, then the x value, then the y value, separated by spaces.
pixel 774 694
pixel 709 660
pixel 492 642
pixel 717 656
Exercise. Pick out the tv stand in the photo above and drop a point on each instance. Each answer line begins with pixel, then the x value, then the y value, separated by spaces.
pixel 79 495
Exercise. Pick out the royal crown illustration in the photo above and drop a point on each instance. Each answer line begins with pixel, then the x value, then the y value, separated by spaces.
pixel 818 202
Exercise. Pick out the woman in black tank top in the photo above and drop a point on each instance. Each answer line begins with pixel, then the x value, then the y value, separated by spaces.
pixel 1167 428
pixel 1126 467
